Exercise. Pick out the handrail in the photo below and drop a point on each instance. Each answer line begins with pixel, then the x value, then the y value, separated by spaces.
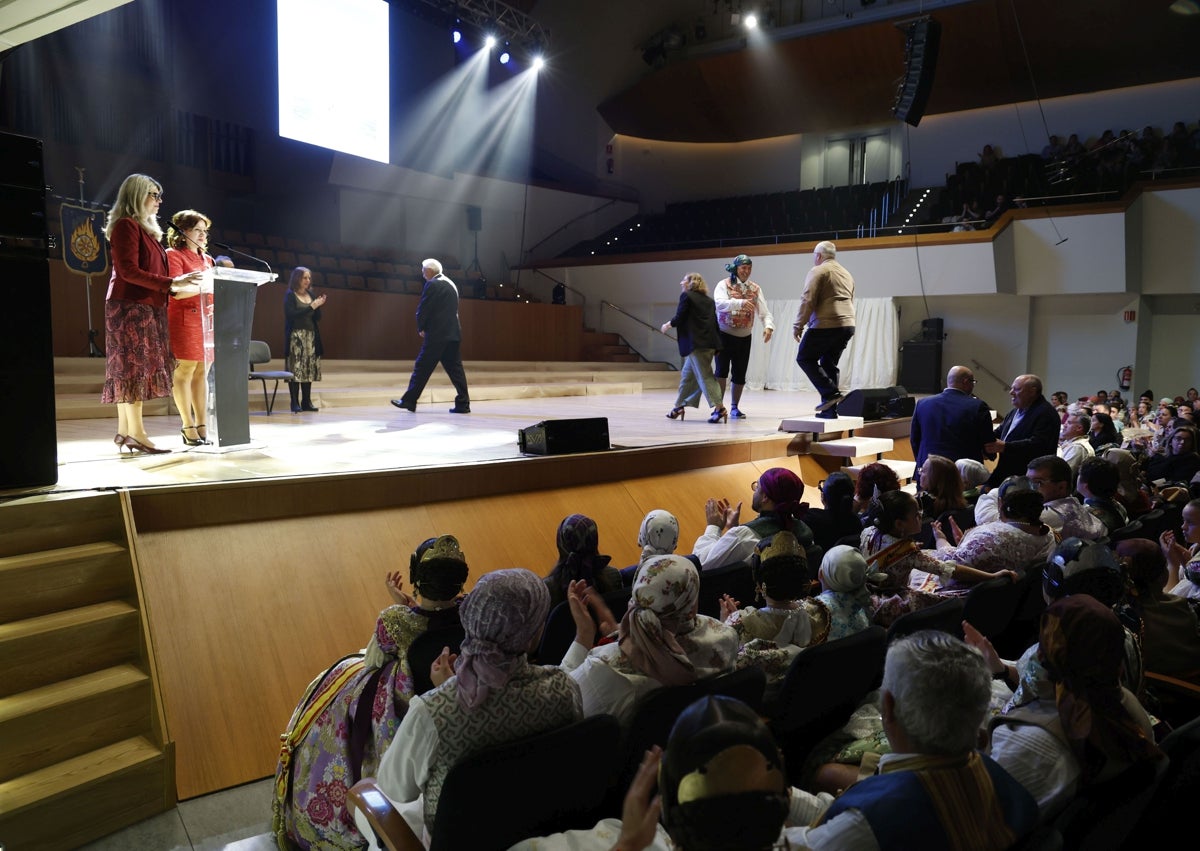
pixel 566 225
pixel 980 367
pixel 640 321
pixel 564 285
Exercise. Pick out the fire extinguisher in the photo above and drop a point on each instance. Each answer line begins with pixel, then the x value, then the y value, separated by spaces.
pixel 1125 376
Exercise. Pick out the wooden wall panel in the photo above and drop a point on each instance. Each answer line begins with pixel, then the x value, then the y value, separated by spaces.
pixel 245 615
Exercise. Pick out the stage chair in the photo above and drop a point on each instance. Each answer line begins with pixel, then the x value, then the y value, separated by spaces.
pixel 991 605
pixel 260 352
pixel 736 580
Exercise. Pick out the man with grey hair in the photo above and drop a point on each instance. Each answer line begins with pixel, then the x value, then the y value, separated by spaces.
pixel 437 323
pixel 826 321
pixel 1028 431
pixel 934 790
pixel 1073 443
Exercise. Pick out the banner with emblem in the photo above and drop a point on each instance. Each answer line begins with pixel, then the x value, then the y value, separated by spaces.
pixel 85 250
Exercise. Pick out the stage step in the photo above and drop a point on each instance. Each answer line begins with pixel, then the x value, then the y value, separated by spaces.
pixel 348 383
pixel 40 650
pixel 816 425
pixel 38 583
pixel 70 803
pixel 83 737
pixel 62 720
pixel 852 447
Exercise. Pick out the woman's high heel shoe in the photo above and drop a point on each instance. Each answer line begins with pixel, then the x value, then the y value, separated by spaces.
pixel 119 440
pixel 719 415
pixel 202 433
pixel 134 446
pixel 191 441
pixel 676 413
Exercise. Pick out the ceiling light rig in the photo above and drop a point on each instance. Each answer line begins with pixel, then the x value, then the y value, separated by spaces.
pixel 512 26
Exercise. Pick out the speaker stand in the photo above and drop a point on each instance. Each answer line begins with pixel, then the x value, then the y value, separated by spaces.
pixel 94 350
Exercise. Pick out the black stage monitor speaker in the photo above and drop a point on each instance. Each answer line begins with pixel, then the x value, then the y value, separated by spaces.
pixel 474 219
pixel 932 330
pixel 877 403
pixel 564 437
pixel 921 366
pixel 920 62
pixel 29 457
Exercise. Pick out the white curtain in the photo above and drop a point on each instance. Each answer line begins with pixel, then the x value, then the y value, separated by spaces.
pixel 871 360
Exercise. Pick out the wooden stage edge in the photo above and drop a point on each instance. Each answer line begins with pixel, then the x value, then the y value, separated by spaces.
pixel 161 509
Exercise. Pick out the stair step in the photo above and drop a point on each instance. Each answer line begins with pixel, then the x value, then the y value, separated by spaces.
pixel 76 518
pixel 70 803
pixel 817 425
pixel 38 651
pixel 851 447
pixel 47 581
pixel 63 720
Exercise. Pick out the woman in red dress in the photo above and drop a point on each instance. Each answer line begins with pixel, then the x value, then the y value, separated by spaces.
pixel 138 361
pixel 188 238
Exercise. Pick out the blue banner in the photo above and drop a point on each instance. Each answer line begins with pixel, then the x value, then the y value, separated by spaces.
pixel 85 250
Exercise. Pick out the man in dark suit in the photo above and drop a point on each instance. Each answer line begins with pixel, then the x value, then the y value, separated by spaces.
pixel 437 323
pixel 1029 431
pixel 953 424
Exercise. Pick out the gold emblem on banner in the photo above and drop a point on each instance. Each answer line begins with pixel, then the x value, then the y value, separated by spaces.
pixel 84 243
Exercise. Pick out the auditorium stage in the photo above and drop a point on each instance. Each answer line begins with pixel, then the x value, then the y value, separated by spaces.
pixel 371 439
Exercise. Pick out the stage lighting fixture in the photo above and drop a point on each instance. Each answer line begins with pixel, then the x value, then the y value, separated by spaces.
pixel 490 42
pixel 504 57
pixel 751 21
pixel 538 63
pixel 457 36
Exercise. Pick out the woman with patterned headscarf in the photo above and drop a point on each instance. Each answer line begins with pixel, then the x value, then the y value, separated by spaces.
pixel 1070 722
pixel 661 640
pixel 657 536
pixel 494 695
pixel 579 558
pixel 350 714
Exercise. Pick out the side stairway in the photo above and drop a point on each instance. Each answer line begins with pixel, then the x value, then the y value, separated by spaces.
pixel 835 438
pixel 84 741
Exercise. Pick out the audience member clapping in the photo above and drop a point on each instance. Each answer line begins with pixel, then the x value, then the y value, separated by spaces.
pixel 1183 559
pixel 1018 537
pixel 579 558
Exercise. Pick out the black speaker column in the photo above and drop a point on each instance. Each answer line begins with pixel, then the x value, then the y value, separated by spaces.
pixel 28 435
pixel 920 61
pixel 474 219
pixel 921 366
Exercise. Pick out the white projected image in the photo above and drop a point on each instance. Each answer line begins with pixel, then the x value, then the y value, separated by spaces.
pixel 333 75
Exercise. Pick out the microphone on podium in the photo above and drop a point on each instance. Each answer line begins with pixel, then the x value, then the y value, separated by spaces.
pixel 224 246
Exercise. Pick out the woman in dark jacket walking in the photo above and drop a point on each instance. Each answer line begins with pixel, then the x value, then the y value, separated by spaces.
pixel 699 339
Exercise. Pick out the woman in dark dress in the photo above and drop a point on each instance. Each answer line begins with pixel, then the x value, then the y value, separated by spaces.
pixel 302 337
pixel 699 339
pixel 138 361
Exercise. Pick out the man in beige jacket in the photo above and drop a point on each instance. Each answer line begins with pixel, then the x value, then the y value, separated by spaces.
pixel 826 321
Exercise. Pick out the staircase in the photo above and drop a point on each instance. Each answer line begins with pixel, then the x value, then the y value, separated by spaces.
pixel 83 738
pixel 607 348
pixel 835 438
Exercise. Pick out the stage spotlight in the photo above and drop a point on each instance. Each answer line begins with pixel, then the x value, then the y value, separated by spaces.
pixel 751 21
pixel 504 57
pixel 490 42
pixel 538 63
pixel 457 36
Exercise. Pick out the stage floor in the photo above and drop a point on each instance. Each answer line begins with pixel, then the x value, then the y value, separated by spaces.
pixel 341 440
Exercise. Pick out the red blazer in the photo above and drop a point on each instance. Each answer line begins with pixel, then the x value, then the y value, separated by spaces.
pixel 140 271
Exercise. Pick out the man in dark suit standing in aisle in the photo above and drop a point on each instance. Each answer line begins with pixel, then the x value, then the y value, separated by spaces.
pixel 437 323
pixel 1029 431
pixel 953 424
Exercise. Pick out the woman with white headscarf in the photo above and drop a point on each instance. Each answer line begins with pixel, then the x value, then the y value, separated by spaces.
pixel 494 695
pixel 657 536
pixel 661 640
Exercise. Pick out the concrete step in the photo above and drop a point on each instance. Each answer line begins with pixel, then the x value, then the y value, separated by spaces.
pixel 852 447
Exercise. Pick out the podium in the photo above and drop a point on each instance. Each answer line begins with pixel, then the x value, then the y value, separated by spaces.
pixel 227 332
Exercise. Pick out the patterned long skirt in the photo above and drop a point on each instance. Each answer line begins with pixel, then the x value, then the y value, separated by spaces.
pixel 302 358
pixel 138 362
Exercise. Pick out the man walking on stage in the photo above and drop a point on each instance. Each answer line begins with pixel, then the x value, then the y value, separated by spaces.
pixel 437 323
pixel 826 319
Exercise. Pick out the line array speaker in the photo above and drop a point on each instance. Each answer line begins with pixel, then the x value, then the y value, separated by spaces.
pixel 920 62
